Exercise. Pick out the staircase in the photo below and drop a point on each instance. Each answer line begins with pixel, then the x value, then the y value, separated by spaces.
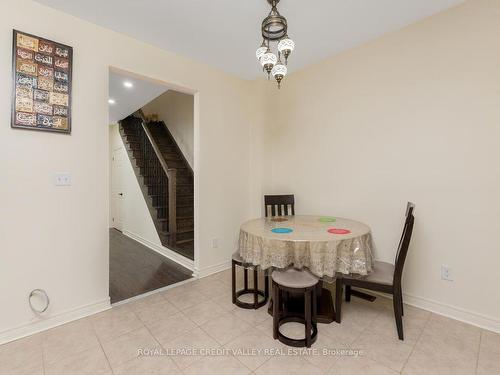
pixel 165 178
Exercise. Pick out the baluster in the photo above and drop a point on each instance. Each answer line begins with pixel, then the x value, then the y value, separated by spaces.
pixel 163 180
pixel 172 205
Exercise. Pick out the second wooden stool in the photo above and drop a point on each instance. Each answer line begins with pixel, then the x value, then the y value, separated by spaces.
pixel 238 261
pixel 295 282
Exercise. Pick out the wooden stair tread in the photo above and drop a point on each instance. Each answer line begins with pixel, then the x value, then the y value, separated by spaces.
pixel 178 218
pixel 184 241
pixel 161 195
pixel 182 231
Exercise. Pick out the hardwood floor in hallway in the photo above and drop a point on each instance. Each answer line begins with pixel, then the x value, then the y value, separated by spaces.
pixel 135 269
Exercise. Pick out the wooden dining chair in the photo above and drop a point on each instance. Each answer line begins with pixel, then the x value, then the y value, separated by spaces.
pixel 280 205
pixel 385 277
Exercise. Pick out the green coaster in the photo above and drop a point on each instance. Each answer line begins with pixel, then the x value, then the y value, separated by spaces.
pixel 327 219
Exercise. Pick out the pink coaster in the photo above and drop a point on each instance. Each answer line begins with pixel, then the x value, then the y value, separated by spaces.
pixel 338 231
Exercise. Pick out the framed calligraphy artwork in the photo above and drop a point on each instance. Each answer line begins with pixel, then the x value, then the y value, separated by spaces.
pixel 41 89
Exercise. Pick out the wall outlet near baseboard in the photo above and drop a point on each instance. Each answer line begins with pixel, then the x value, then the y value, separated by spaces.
pixel 62 179
pixel 446 273
pixel 215 243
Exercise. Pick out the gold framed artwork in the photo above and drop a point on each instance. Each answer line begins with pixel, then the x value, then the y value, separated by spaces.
pixel 41 90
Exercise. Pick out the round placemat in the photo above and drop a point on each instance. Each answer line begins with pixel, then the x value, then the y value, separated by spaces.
pixel 282 230
pixel 327 219
pixel 279 219
pixel 338 231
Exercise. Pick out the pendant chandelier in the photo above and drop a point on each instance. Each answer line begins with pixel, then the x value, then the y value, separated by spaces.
pixel 275 29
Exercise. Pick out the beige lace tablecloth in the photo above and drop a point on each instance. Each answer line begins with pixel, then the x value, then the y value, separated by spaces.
pixel 309 245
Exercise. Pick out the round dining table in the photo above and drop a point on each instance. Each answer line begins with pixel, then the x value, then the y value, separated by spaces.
pixel 327 246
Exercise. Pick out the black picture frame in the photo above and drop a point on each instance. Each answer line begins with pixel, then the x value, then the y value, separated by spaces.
pixel 42 75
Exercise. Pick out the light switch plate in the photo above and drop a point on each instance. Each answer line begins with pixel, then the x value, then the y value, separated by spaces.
pixel 62 179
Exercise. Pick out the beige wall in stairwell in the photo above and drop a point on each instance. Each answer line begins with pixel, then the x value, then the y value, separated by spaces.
pixel 56 238
pixel 414 115
pixel 177 111
pixel 136 218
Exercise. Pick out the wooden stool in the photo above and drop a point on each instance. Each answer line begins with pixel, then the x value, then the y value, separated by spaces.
pixel 297 282
pixel 238 261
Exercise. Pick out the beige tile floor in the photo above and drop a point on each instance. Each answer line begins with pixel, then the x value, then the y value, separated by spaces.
pixel 200 315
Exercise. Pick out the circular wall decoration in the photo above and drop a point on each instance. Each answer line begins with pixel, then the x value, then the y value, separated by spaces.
pixel 338 231
pixel 282 230
pixel 327 219
pixel 40 293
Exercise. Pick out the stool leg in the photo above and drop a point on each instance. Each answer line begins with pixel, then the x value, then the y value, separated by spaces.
pixel 233 281
pixel 285 303
pixel 245 279
pixel 255 288
pixel 314 306
pixel 266 288
pixel 276 317
pixel 308 317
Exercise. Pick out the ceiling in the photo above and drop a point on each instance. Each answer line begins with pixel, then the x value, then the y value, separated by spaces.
pixel 127 100
pixel 226 33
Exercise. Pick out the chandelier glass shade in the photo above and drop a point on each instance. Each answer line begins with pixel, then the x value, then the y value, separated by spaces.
pixel 279 72
pixel 286 47
pixel 268 58
pixel 275 30
pixel 260 51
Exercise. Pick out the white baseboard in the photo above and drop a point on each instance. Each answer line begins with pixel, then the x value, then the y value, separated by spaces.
pixel 487 322
pixel 207 271
pixel 466 316
pixel 166 252
pixel 156 291
pixel 43 324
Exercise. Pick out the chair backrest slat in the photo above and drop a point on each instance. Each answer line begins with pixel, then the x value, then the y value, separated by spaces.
pixel 404 243
pixel 282 204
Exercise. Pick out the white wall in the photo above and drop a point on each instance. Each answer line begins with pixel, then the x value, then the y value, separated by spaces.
pixel 177 111
pixel 413 116
pixel 260 144
pixel 57 238
pixel 136 218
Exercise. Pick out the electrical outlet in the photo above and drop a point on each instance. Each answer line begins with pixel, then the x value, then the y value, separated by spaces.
pixel 62 179
pixel 446 273
pixel 215 243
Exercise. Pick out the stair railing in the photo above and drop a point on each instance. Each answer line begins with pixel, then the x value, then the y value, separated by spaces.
pixel 171 176
pixel 179 151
